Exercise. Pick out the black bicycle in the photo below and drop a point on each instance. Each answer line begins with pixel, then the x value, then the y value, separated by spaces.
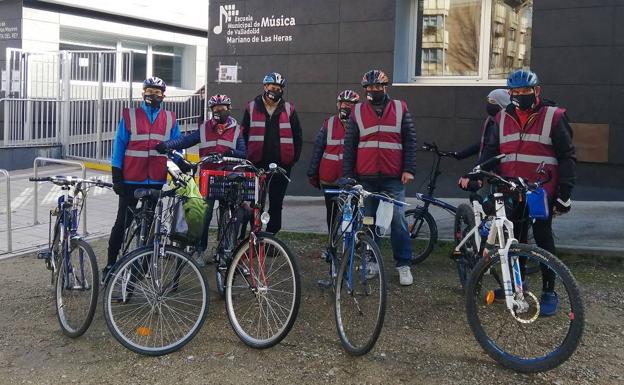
pixel 421 224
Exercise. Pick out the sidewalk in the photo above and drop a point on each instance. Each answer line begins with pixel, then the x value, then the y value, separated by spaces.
pixel 591 227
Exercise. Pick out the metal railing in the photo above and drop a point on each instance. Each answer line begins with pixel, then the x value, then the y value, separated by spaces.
pixel 58 161
pixel 8 208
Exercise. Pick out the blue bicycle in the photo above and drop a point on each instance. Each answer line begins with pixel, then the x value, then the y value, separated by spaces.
pixel 357 270
pixel 72 260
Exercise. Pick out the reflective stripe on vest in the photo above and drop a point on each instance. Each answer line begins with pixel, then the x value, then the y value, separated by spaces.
pixel 543 137
pixel 134 129
pixel 380 128
pixel 529 159
pixel 205 143
pixel 330 134
pixel 257 130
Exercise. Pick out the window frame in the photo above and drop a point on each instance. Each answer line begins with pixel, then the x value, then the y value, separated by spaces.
pixel 485 41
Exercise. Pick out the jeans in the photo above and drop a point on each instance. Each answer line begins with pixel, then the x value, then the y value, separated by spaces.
pixel 399 236
pixel 277 191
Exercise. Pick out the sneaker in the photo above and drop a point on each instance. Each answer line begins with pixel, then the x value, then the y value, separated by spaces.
pixel 324 283
pixel 105 271
pixel 405 275
pixel 549 303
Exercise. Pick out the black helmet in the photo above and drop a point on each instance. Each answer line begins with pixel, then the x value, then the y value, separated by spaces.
pixel 374 77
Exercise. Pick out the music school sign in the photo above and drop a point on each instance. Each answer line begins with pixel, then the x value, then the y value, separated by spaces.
pixel 248 29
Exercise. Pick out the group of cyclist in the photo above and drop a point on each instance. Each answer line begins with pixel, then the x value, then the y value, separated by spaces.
pixel 372 140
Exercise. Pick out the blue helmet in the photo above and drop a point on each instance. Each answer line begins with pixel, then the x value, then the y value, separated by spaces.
pixel 155 82
pixel 522 78
pixel 274 78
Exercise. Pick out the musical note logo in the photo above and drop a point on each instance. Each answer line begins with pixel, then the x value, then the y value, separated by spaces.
pixel 225 16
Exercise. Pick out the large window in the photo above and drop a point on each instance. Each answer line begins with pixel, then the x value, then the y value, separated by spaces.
pixel 136 60
pixel 469 40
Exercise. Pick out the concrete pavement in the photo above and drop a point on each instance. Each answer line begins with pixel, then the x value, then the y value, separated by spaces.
pixel 591 227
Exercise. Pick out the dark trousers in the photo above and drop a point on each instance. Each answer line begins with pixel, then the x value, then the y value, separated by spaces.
pixel 543 235
pixel 124 219
pixel 277 190
pixel 330 206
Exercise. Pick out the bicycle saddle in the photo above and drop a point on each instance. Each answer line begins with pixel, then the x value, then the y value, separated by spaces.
pixel 147 193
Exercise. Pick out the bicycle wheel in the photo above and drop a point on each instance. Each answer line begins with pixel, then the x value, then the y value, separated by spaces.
pixel 360 304
pixel 423 233
pixel 77 286
pixel 262 293
pixel 469 252
pixel 155 310
pixel 525 341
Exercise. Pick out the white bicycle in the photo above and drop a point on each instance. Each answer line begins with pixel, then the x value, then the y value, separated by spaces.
pixel 502 309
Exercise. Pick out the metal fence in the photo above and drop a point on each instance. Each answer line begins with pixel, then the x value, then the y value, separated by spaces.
pixel 75 98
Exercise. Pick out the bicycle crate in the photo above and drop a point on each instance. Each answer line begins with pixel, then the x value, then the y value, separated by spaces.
pixel 213 184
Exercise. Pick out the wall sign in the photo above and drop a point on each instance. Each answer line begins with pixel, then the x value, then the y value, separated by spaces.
pixel 8 31
pixel 241 29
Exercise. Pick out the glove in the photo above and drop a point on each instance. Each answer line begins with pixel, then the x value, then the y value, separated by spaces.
pixel 118 184
pixel 562 206
pixel 314 181
pixel 161 147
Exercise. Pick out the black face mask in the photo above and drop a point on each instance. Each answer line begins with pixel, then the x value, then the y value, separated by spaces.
pixel 221 117
pixel 272 95
pixel 344 113
pixel 153 101
pixel 524 102
pixel 492 109
pixel 376 97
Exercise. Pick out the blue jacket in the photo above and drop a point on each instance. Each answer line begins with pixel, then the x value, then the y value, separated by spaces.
pixel 122 137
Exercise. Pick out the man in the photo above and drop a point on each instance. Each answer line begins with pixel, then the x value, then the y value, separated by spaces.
pixel 221 135
pixel 135 163
pixel 531 131
pixel 380 150
pixel 496 101
pixel 273 135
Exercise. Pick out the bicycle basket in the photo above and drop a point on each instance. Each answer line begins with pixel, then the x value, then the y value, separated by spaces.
pixel 214 184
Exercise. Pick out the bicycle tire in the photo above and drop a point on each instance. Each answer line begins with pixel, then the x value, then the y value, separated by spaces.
pixel 137 265
pixel 575 315
pixel 464 222
pixel 370 338
pixel 234 290
pixel 61 301
pixel 417 220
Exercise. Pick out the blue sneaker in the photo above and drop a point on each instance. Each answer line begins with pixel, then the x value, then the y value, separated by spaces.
pixel 549 303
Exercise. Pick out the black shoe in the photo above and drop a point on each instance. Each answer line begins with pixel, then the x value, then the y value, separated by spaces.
pixel 105 272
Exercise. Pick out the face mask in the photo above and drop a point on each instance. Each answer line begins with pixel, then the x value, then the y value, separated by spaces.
pixel 524 102
pixel 376 97
pixel 221 117
pixel 153 100
pixel 492 109
pixel 344 113
pixel 272 95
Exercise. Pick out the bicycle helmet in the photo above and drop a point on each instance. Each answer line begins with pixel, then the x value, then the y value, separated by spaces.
pixel 274 78
pixel 348 96
pixel 375 77
pixel 522 78
pixel 220 100
pixel 155 82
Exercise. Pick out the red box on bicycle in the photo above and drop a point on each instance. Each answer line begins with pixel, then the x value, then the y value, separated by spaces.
pixel 213 184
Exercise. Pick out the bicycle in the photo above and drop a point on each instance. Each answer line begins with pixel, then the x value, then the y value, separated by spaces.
pixel 156 297
pixel 502 262
pixel 421 224
pixel 71 259
pixel 258 276
pixel 357 270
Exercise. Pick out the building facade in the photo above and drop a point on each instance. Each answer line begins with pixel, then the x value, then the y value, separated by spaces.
pixel 443 57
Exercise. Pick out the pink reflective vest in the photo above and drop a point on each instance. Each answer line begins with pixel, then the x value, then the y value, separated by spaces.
pixel 380 150
pixel 211 141
pixel 330 168
pixel 257 122
pixel 141 160
pixel 527 148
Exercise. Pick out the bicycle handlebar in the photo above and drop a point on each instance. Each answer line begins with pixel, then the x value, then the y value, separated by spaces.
pixel 71 181
pixel 433 147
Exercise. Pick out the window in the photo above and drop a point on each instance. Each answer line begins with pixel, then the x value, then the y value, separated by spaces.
pixel 469 40
pixel 167 64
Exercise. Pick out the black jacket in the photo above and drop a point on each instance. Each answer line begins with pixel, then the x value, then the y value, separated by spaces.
pixel 565 151
pixel 271 147
pixel 352 139
pixel 473 149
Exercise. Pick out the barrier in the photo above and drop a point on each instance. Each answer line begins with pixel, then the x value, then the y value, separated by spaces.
pixel 8 207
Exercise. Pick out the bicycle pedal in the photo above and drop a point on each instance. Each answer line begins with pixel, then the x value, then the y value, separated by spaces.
pixel 456 254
